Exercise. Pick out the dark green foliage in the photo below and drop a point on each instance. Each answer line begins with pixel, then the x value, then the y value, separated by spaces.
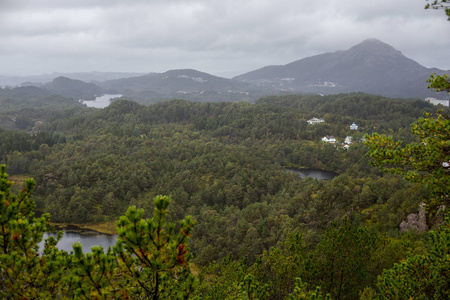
pixel 150 259
pixel 155 255
pixel 223 163
pixel 24 272
pixel 230 279
pixel 72 88
pixel 424 162
pixel 280 266
pixel 300 292
pixel 420 276
pixel 344 260
pixel 344 265
pixel 32 97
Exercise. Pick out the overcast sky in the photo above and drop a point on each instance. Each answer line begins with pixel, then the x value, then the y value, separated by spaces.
pixel 220 37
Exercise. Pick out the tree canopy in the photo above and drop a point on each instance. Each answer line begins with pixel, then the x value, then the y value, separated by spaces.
pixel 425 162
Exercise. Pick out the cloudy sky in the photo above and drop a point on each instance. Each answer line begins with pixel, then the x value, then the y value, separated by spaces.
pixel 221 37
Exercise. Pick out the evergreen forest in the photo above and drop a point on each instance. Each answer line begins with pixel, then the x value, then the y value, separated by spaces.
pixel 249 228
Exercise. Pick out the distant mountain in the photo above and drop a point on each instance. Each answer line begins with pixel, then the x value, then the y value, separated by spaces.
pixel 14 99
pixel 183 84
pixel 97 76
pixel 76 89
pixel 371 67
pixel 12 80
pixel 23 92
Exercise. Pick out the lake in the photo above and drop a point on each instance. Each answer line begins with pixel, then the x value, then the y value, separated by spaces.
pixel 314 173
pixel 87 241
pixel 101 101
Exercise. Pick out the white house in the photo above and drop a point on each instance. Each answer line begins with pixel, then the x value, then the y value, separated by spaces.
pixel 437 101
pixel 345 147
pixel 353 126
pixel 348 140
pixel 329 139
pixel 315 121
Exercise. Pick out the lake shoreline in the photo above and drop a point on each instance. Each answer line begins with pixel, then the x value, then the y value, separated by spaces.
pixel 107 228
pixel 100 101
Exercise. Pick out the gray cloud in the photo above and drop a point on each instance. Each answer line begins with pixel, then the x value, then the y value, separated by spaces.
pixel 227 37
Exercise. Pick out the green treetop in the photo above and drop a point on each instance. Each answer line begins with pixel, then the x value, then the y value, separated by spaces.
pixel 425 162
pixel 149 261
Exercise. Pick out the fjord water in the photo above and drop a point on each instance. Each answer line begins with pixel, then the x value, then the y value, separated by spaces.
pixel 101 101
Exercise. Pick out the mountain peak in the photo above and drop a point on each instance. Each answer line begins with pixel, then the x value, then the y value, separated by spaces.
pixel 375 47
pixel 370 66
pixel 373 41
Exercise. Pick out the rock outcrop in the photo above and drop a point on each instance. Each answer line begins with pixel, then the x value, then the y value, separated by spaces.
pixel 416 222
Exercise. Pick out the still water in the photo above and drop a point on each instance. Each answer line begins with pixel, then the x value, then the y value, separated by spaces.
pixel 314 173
pixel 87 241
pixel 100 102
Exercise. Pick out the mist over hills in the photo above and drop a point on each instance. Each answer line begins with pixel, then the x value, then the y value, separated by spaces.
pixel 6 80
pixel 370 67
pixel 72 88
pixel 185 84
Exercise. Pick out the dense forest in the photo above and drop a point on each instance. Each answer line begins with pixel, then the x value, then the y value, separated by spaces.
pixel 260 231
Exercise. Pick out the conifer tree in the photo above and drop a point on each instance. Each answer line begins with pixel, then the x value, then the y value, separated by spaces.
pixel 24 272
pixel 425 162
pixel 420 276
pixel 153 255
pixel 150 259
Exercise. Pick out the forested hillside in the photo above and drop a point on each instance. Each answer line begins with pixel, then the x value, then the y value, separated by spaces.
pixel 225 165
pixel 222 163
pixel 25 107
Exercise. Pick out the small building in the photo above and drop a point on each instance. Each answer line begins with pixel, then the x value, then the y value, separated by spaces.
pixel 435 101
pixel 345 146
pixel 348 140
pixel 315 121
pixel 353 126
pixel 329 139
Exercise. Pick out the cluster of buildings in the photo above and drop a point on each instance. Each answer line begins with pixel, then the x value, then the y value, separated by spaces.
pixel 315 121
pixel 331 139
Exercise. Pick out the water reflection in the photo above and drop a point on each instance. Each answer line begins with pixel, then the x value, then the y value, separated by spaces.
pixel 101 101
pixel 314 173
pixel 87 241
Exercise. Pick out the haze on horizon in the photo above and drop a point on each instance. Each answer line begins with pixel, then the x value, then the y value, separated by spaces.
pixel 224 38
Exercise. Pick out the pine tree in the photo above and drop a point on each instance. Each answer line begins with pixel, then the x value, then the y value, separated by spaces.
pixel 420 276
pixel 149 261
pixel 24 272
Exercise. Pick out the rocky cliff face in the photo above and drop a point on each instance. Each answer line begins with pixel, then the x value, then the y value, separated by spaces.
pixel 417 222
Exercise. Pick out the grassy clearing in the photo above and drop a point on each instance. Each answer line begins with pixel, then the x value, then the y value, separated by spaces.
pixel 19 180
pixel 108 227
pixel 194 269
